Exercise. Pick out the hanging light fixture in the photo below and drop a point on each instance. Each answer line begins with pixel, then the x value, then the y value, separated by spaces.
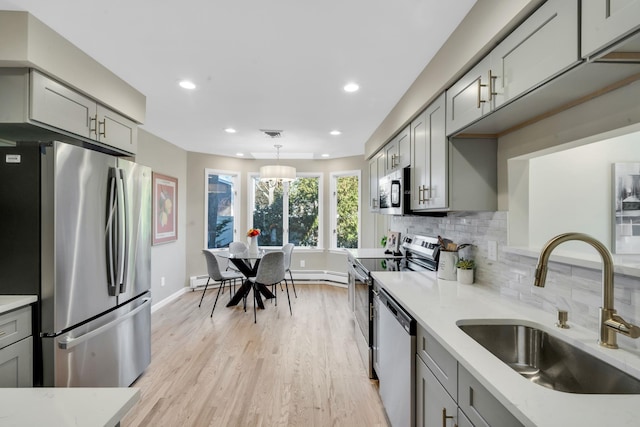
pixel 277 173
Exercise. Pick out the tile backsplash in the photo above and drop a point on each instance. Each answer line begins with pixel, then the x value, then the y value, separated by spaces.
pixel 572 288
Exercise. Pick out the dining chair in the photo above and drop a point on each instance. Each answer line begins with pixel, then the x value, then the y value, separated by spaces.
pixel 270 273
pixel 215 274
pixel 236 248
pixel 288 251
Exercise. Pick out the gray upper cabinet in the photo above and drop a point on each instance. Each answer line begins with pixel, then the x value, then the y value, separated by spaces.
pixel 116 130
pixel 58 106
pixel 429 158
pixel 398 152
pixel 540 48
pixel 61 107
pixel 376 169
pixel 38 107
pixel 467 98
pixel 605 22
pixel 543 46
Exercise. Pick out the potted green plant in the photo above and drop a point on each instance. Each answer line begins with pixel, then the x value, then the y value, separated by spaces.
pixel 465 270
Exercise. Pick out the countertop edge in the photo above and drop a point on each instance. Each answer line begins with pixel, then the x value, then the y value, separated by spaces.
pixel 439 305
pixel 11 302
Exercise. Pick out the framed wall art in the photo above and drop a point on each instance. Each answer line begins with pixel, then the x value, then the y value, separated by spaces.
pixel 165 209
pixel 626 207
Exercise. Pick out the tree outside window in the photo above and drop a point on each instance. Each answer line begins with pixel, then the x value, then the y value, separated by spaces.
pixel 345 208
pixel 220 201
pixel 288 213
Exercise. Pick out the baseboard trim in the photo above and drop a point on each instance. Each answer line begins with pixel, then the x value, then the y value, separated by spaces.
pixel 169 299
pixel 332 278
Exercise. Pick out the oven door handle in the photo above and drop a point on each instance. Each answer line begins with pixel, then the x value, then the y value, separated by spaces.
pixel 364 278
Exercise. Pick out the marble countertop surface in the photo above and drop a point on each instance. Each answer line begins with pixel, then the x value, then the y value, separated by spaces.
pixel 64 407
pixel 439 306
pixel 11 302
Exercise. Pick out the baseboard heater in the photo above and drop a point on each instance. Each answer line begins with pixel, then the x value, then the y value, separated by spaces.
pixel 301 275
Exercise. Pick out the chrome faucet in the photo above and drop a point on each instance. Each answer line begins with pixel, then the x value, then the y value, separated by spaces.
pixel 610 322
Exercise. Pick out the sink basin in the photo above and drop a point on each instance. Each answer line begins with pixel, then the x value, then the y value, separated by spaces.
pixel 549 361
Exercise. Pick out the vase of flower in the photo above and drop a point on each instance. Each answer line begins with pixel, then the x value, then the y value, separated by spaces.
pixel 253 234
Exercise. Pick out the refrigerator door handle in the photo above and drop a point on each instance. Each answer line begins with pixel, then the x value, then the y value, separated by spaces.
pixel 123 232
pixel 68 343
pixel 112 219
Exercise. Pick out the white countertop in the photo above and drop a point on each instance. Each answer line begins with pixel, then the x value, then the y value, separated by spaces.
pixel 11 302
pixel 371 253
pixel 438 305
pixel 64 407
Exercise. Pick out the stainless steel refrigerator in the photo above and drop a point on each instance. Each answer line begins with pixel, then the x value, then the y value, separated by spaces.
pixel 76 227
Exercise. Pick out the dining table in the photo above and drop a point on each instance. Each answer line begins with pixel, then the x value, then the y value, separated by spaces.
pixel 247 264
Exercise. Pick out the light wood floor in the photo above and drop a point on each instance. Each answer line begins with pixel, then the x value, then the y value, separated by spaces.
pixel 300 370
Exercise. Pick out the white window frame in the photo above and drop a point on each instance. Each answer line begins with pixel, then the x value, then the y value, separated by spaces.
pixel 333 182
pixel 285 206
pixel 237 186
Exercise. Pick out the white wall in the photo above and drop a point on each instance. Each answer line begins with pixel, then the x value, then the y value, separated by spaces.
pixel 571 190
pixel 167 260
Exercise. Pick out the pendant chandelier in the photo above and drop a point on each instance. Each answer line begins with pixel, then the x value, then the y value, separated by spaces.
pixel 277 173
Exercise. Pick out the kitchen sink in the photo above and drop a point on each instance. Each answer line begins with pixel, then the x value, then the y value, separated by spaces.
pixel 549 361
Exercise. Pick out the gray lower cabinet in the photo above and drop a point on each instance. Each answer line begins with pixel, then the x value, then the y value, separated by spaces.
pixel 604 22
pixel 482 409
pixel 16 348
pixel 448 395
pixel 434 406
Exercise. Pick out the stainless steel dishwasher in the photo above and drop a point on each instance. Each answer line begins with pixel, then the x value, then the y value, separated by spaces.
pixel 396 360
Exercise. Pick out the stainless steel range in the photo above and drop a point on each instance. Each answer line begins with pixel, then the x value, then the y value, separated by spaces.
pixel 417 253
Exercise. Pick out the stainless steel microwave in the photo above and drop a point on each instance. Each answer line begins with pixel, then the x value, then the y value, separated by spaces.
pixel 392 193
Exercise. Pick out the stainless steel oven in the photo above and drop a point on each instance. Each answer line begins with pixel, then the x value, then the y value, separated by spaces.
pixel 418 253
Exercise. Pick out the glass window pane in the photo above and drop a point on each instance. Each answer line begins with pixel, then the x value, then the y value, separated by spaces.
pixel 347 209
pixel 303 212
pixel 267 214
pixel 220 221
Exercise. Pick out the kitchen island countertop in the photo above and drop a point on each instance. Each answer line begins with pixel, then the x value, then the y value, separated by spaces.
pixel 11 302
pixel 439 305
pixel 63 407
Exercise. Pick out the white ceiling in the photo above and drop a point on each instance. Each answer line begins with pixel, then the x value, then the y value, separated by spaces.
pixel 259 64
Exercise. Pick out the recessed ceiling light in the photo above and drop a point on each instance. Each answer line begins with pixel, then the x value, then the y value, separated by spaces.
pixel 230 130
pixel 240 154
pixel 325 155
pixel 186 84
pixel 351 87
pixel 335 132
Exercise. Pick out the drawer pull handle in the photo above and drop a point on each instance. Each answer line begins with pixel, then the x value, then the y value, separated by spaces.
pixel 2 332
pixel 445 417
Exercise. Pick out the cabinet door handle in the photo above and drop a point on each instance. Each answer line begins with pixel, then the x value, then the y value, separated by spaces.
pixel 445 417
pixel 492 79
pixel 93 125
pixel 104 128
pixel 480 86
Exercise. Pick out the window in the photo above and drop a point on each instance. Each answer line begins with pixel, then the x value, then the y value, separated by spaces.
pixel 289 212
pixel 345 209
pixel 220 208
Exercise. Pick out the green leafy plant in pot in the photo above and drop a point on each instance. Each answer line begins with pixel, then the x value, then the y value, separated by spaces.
pixel 465 270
